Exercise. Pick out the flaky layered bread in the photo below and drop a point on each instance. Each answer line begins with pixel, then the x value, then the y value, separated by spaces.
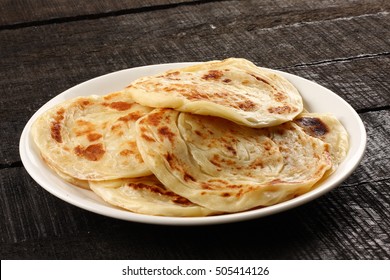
pixel 234 89
pixel 217 137
pixel 92 138
pixel 329 129
pixel 146 195
pixel 228 167
pixel 67 178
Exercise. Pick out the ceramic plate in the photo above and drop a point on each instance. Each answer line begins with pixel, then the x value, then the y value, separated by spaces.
pixel 316 98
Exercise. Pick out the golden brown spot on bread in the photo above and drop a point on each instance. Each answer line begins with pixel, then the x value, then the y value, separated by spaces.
pixel 257 163
pixel 169 157
pixel 233 186
pixel 222 182
pixel 240 193
pixel 154 119
pixel 225 194
pixel 133 116
pixel 188 177
pixel 160 190
pixel 93 152
pixel 226 80
pixel 139 157
pixel 213 75
pixel 279 97
pixel 280 109
pixel 82 103
pixel 231 149
pixel 260 79
pixel 140 186
pixel 216 160
pixel 247 105
pixel 117 129
pixel 197 132
pixel 166 133
pixel 94 136
pixel 120 105
pixel 172 161
pixel 181 200
pixel 83 122
pixel 313 126
pixel 196 95
pixel 126 152
pixel 206 186
pixel 56 132
pixel 132 145
pixel 56 125
pixel 267 146
pixel 147 138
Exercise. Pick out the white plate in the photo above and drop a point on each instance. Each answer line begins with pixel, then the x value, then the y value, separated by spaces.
pixel 316 97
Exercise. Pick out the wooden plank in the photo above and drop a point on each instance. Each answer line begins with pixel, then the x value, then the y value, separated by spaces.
pixel 363 83
pixel 375 165
pixel 22 11
pixel 70 53
pixel 271 12
pixel 348 223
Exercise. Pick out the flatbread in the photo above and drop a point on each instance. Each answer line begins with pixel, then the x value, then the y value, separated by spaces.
pixel 74 181
pixel 67 178
pixel 227 167
pixel 330 130
pixel 92 138
pixel 234 89
pixel 147 195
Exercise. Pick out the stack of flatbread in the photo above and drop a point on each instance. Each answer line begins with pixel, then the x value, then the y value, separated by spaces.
pixel 217 137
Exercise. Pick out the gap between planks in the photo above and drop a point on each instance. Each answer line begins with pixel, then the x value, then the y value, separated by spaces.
pixel 104 15
pixel 161 7
pixel 15 164
pixel 336 60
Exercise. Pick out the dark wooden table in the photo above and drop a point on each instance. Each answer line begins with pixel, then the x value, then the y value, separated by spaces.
pixel 47 47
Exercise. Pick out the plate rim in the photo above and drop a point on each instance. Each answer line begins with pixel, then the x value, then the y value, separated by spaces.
pixel 117 213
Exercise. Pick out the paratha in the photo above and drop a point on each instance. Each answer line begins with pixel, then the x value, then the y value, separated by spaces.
pixel 92 138
pixel 84 184
pixel 147 195
pixel 234 89
pixel 228 167
pixel 329 129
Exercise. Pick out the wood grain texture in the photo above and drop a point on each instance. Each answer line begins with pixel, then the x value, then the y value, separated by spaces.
pixel 342 45
pixel 346 224
pixel 62 55
pixel 274 12
pixel 62 51
pixel 25 11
